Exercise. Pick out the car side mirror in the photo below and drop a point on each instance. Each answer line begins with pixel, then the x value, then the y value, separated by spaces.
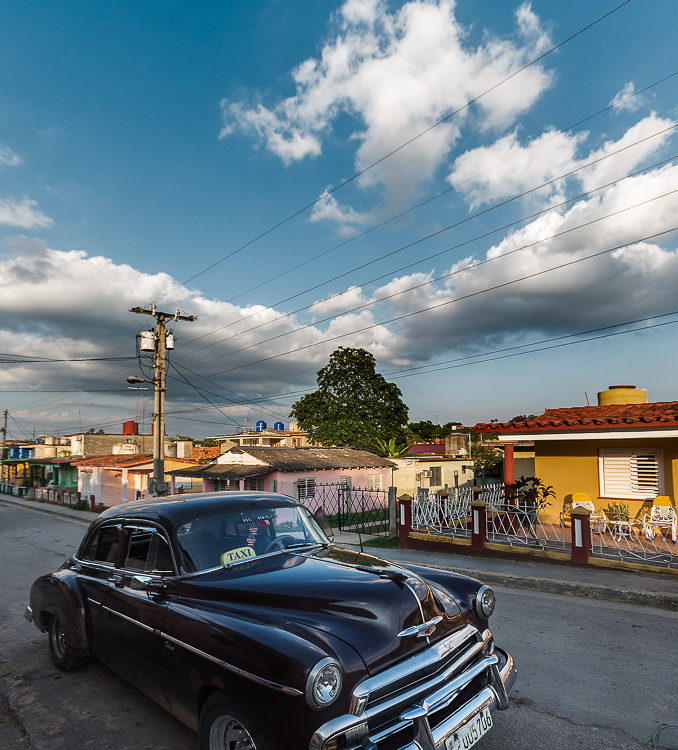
pixel 154 588
pixel 321 519
pixel 139 583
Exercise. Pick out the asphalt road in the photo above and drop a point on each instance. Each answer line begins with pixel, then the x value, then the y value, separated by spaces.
pixel 591 674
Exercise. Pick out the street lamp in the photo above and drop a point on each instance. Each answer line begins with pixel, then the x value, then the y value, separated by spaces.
pixel 132 379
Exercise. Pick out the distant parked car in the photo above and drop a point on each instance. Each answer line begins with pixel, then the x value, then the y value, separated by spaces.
pixel 236 612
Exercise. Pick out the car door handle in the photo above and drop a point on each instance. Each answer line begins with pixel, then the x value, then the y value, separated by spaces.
pixel 117 580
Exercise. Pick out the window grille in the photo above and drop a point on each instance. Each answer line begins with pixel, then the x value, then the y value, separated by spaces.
pixel 306 488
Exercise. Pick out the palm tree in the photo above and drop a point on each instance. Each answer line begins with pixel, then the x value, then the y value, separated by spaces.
pixel 391 448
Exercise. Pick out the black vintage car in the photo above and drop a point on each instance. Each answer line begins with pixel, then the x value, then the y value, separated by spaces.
pixel 235 612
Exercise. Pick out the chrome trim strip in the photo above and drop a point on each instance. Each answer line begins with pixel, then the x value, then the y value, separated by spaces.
pixel 236 670
pixel 421 609
pixel 142 625
pixel 28 613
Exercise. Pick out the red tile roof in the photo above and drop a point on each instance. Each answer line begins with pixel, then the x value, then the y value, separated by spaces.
pixel 206 452
pixel 116 461
pixel 588 418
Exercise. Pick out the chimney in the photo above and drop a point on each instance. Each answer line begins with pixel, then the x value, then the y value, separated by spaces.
pixel 622 394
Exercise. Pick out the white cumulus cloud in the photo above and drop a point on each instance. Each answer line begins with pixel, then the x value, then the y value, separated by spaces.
pixel 396 73
pixel 23 213
pixel 626 99
pixel 8 157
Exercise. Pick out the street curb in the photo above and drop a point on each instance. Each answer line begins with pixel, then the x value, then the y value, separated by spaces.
pixel 55 510
pixel 654 599
pixel 588 591
pixel 545 585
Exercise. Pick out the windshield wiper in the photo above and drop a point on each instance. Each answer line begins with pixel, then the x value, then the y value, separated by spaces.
pixel 297 545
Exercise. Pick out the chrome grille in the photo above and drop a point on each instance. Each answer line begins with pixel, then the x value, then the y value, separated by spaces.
pixel 434 677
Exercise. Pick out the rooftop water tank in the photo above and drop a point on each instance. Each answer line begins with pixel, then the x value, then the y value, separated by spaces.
pixel 279 426
pixel 261 425
pixel 130 428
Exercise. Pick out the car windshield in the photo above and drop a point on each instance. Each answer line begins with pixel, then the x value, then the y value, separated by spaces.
pixel 235 536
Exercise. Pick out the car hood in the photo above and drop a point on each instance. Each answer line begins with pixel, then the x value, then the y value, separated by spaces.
pixel 358 598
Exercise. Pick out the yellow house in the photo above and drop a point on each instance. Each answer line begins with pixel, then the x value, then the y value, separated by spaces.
pixel 624 451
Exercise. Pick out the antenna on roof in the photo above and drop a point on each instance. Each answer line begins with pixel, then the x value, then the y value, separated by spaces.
pixel 587 398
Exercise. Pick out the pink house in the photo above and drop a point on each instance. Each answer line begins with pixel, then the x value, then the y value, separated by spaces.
pixel 299 472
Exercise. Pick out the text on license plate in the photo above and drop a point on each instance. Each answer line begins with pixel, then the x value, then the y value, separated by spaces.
pixel 471 732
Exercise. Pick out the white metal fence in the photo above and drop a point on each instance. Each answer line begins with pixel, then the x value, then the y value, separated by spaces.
pixel 525 524
pixel 639 541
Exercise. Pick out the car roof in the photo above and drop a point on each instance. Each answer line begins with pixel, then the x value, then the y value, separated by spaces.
pixel 173 510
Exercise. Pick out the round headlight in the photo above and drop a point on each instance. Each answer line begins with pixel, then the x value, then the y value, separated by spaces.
pixel 485 602
pixel 324 683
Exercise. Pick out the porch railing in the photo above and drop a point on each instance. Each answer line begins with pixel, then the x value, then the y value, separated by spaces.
pixel 632 541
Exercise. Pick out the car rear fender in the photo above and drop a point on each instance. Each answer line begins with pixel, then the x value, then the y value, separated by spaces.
pixel 58 594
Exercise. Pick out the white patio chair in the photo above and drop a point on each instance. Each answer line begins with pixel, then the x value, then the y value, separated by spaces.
pixel 660 518
pixel 597 518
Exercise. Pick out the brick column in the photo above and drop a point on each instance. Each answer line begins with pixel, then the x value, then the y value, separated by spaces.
pixel 405 506
pixel 92 502
pixel 581 535
pixel 478 523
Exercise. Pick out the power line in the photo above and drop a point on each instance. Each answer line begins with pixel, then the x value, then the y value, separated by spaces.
pixel 448 302
pixel 444 276
pixel 437 123
pixel 432 198
pixel 425 368
pixel 544 348
pixel 200 393
pixel 438 232
pixel 435 367
pixel 45 361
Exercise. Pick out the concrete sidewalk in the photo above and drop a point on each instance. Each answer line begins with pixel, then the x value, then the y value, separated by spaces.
pixel 647 589
pixel 83 516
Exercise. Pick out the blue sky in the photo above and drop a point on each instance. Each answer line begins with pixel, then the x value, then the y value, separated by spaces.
pixel 140 143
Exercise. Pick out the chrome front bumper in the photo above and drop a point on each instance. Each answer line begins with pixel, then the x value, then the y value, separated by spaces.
pixel 494 696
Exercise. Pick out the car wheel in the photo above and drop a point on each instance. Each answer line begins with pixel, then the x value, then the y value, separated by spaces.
pixel 58 648
pixel 225 724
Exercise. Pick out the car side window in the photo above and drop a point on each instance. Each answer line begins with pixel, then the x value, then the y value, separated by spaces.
pixel 147 551
pixel 103 546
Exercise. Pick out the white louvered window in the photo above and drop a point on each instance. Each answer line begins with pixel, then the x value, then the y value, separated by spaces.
pixel 631 473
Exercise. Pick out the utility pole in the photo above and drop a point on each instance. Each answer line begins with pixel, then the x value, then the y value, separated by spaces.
pixel 160 347
pixel 2 447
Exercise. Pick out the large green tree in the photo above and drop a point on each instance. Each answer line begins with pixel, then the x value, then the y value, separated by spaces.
pixel 353 405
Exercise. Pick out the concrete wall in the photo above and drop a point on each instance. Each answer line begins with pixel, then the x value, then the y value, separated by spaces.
pixel 405 476
pixel 572 466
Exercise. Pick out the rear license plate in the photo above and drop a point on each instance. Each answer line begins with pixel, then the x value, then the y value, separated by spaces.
pixel 471 732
